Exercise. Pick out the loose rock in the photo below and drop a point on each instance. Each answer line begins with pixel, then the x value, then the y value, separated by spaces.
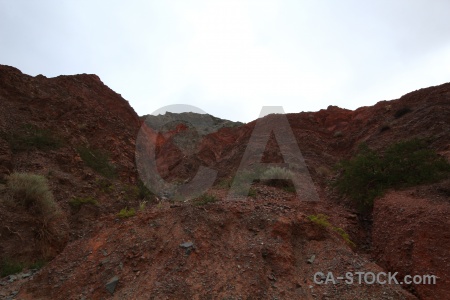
pixel 111 284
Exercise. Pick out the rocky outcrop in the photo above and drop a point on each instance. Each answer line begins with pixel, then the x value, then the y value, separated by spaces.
pixel 203 123
pixel 79 109
pixel 43 123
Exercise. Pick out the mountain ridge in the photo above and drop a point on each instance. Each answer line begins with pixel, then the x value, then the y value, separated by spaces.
pixel 261 247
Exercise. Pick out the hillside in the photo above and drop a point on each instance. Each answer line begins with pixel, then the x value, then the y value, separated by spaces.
pixel 203 123
pixel 82 137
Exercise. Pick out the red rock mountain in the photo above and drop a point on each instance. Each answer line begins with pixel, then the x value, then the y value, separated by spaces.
pixel 263 247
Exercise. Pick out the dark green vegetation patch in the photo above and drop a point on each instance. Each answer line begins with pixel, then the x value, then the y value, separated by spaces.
pixel 29 137
pixel 369 173
pixel 98 161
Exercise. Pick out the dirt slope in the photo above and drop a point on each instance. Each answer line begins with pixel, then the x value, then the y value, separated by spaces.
pixel 410 235
pixel 253 249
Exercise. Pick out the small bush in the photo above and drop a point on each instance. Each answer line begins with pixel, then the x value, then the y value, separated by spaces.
pixel 79 201
pixel 9 267
pixel 98 161
pixel 30 137
pixel 225 183
pixel 344 235
pixel 32 192
pixel 137 192
pixel 204 199
pixel 323 171
pixel 142 205
pixel 248 175
pixel 277 172
pixel 289 189
pixel 105 185
pixel 320 219
pixel 38 264
pixel 385 127
pixel 130 192
pixel 401 112
pixel 143 192
pixel 126 213
pixel 338 134
pixel 369 174
pixel 273 177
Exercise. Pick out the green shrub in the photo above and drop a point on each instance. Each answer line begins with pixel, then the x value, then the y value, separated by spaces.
pixel 126 213
pixel 290 188
pixel 9 267
pixel 401 112
pixel 204 199
pixel 261 174
pixel 79 201
pixel 31 195
pixel 98 161
pixel 142 205
pixel 32 191
pixel 38 264
pixel 369 174
pixel 30 137
pixel 143 192
pixel 105 185
pixel 320 219
pixel 252 193
pixel 130 192
pixel 323 171
pixel 225 183
pixel 137 192
pixel 270 177
pixel 275 172
pixel 248 175
pixel 338 134
pixel 344 235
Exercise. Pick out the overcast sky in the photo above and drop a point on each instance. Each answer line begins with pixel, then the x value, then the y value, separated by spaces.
pixel 228 57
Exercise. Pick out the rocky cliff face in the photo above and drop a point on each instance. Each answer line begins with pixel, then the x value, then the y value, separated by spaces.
pixel 79 109
pixel 264 247
pixel 44 124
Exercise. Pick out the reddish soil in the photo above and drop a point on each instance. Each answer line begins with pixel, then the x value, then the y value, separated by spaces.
pixel 257 248
pixel 411 236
